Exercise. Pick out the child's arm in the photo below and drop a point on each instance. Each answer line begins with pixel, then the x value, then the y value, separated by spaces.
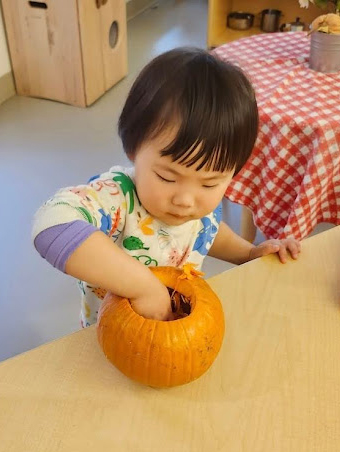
pixel 230 247
pixel 71 232
pixel 99 261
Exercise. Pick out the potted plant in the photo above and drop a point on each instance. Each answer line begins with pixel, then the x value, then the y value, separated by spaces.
pixel 325 37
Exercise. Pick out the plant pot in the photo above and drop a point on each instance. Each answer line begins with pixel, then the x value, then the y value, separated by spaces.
pixel 324 52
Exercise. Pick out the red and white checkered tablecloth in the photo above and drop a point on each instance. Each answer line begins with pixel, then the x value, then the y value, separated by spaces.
pixel 292 180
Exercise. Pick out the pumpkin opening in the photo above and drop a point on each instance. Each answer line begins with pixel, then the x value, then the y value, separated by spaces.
pixel 180 305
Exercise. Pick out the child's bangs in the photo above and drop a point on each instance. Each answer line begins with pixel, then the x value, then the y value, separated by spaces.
pixel 215 132
pixel 195 144
pixel 205 152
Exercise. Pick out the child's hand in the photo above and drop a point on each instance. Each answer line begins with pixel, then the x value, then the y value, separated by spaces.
pixel 154 304
pixel 277 246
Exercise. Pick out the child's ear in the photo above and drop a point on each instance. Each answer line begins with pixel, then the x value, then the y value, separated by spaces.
pixel 132 157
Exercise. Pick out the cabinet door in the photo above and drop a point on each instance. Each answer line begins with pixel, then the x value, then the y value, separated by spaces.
pixel 114 41
pixel 91 43
pixel 102 26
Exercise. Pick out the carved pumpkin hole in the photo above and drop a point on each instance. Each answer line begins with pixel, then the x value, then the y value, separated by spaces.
pixel 180 305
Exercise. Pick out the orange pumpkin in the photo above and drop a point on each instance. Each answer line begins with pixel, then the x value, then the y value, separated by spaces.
pixel 159 353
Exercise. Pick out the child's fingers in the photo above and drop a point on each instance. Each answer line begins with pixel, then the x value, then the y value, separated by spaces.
pixel 294 249
pixel 283 255
pixel 282 248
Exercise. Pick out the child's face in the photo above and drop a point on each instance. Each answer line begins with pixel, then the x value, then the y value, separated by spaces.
pixel 174 193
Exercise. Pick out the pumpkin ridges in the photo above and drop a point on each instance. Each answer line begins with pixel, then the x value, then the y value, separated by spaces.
pixel 169 332
pixel 124 350
pixel 215 314
pixel 173 364
pixel 170 362
pixel 154 324
pixel 201 356
pixel 190 357
pixel 152 363
pixel 135 365
pixel 125 355
pixel 162 355
pixel 113 307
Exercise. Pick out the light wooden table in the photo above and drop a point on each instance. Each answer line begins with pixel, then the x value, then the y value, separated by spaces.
pixel 275 386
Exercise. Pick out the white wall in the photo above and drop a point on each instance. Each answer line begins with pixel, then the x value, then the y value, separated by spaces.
pixel 4 57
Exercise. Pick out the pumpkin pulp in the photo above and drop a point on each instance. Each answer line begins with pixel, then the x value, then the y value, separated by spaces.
pixel 180 305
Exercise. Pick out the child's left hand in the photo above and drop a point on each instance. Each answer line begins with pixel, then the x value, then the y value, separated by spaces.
pixel 282 247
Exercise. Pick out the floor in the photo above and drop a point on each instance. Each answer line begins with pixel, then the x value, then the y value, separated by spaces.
pixel 46 145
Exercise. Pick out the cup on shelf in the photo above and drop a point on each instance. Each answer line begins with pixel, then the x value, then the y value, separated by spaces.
pixel 270 20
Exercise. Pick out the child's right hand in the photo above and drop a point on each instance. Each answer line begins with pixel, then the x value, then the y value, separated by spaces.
pixel 100 262
pixel 154 304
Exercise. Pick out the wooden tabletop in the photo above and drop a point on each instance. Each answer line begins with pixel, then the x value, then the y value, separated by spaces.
pixel 275 386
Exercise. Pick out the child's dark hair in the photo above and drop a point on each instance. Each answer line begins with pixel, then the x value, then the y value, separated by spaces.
pixel 212 102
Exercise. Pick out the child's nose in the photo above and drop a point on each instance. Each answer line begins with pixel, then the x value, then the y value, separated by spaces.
pixel 183 199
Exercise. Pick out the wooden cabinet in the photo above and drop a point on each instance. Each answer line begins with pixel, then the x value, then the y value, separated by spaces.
pixel 218 33
pixel 71 51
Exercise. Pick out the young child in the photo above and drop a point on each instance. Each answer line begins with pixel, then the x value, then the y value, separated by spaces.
pixel 188 125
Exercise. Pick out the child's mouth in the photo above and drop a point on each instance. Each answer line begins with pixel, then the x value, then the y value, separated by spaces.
pixel 179 217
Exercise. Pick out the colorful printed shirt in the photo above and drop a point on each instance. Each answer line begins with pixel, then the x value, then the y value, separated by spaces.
pixel 110 203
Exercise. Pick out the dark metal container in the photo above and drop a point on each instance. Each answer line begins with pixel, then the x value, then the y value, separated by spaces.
pixel 238 20
pixel 270 20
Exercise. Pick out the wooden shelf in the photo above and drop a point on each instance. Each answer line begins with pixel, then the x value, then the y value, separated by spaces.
pixel 229 34
pixel 219 33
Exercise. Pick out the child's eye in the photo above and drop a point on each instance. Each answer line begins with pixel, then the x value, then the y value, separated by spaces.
pixel 163 178
pixel 209 186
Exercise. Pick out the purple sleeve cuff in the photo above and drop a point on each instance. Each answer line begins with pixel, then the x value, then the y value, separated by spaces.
pixel 57 243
